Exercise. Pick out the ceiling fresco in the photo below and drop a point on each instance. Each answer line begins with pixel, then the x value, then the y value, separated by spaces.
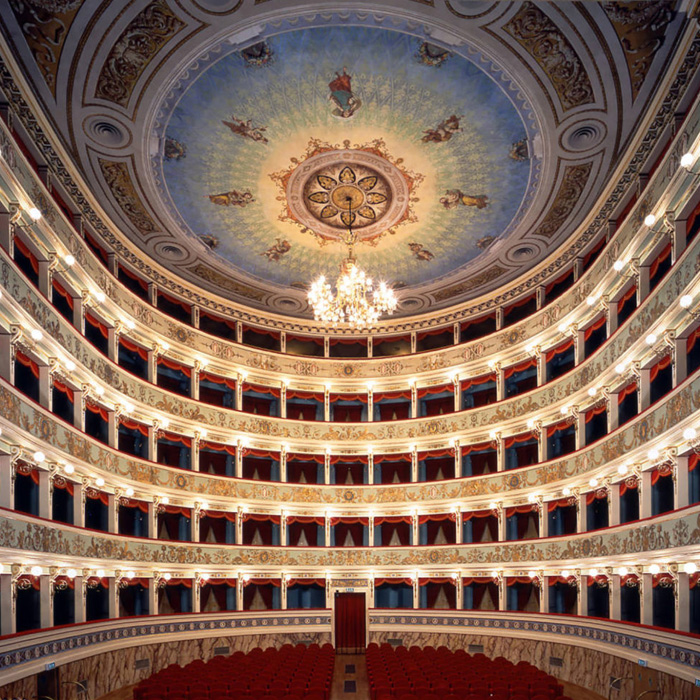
pixel 446 167
pixel 228 143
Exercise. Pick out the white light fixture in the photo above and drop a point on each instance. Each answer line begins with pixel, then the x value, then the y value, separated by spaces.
pixel 590 300
pixel 99 390
pixel 204 505
pixel 100 573
pixel 34 213
pixel 129 407
pixel 532 498
pixel 101 297
pixel 69 260
pixel 531 423
pixel 71 573
pixel 204 577
pixel 685 301
pixel 99 481
pixel 246 577
pixel 532 574
pixel 165 500
pixel 70 365
pixel 565 573
pixel 653 454
pixel 593 573
pixel 621 367
pixel 564 410
pixel 165 345
pixel 623 571
pixel 130 574
pixel 36 334
pixel 36 571
pixel 622 469
pixel 592 391
pixel 689 567
pixel 494 574
pixel 493 505
pixel 566 491
pixel 130 324
pixel 654 569
pixel 562 328
pixel 351 302
pixel 649 220
pixel 165 421
pixel 651 339
pixel 69 469
pixel 593 482
pixel 39 457
pixel 129 492
pixel 618 265
pixel 167 577
pixel 689 434
pixel 687 160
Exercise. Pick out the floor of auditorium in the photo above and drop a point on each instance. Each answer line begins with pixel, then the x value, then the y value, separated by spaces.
pixel 350 668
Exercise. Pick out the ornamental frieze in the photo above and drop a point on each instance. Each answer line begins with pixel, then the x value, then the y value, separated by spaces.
pixel 669 532
pixel 75 445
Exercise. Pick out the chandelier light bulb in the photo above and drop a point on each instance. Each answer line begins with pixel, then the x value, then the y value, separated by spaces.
pixel 649 220
pixel 34 214
pixel 689 567
pixel 39 457
pixel 130 492
pixel 687 160
pixel 70 365
pixel 618 265
pixel 69 260
pixel 689 434
pixel 71 573
pixel 36 334
pixel 592 391
pixel 654 569
pixel 100 573
pixel 685 301
pixel 36 571
pixel 69 469
pixel 566 491
pixel 651 339
pixel 623 571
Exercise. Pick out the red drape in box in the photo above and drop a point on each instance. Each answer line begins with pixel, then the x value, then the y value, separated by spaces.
pixel 392 395
pixel 626 391
pixel 64 484
pixel 597 495
pixel 559 350
pixel 305 339
pixel 217 447
pixel 513 510
pixel 561 425
pixel 437 585
pixel 215 379
pixel 264 586
pixel 261 389
pixel 663 255
pixel 482 519
pixel 171 364
pixel 59 289
pixel 560 503
pixel 217 319
pixel 262 331
pixel 628 484
pixel 626 297
pixel 27 362
pixel 174 437
pixel 307 395
pixel 523 437
pixel 97 324
pixel 99 410
pixel 401 526
pixel 308 526
pixel 516 304
pixel 347 414
pixel 480 319
pixel 64 389
pixel 481 586
pixel 133 503
pixel 300 411
pixel 476 381
pixel 660 473
pixel 520 367
pixel 594 327
pixel 24 249
pixel 600 580
pixel 592 412
pixel 692 338
pixel 133 347
pixel 176 302
pixel 557 281
pixel 66 581
pixel 433 331
pixel 662 364
pixel 394 411
pixel 33 579
pixel 132 275
pixel 692 461
pixel 394 467
pixel 262 518
pixel 393 581
pixel 221 514
pixel 428 390
pixel 103 582
pixel 307 582
pixel 338 340
pixel 96 495
pixel 303 464
pixel 437 466
pixel 218 589
pixel 133 425
pixel 349 397
pixel 349 526
pixel 658 579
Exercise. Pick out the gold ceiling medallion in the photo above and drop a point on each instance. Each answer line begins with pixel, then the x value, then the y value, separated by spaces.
pixel 332 187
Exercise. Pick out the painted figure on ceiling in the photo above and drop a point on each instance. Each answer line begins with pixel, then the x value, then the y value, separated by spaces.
pixel 234 198
pixel 453 198
pixel 419 252
pixel 444 131
pixel 246 129
pixel 276 251
pixel 342 96
pixel 173 149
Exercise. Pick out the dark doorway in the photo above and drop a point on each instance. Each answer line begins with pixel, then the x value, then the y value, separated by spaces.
pixel 350 623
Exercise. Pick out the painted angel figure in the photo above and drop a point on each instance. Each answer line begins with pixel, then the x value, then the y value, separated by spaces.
pixel 246 129
pixel 443 131
pixel 342 96
pixel 234 198
pixel 453 198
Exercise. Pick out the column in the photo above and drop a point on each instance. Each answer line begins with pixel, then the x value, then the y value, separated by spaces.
pixel 680 360
pixel 370 467
pixel 459 595
pixel 414 398
pixel 194 319
pixel 240 378
pixel 283 592
pixel 112 263
pixel 326 346
pixel 459 530
pixel 457 390
pixel 194 378
pixel 112 430
pixel 152 294
pixel 371 529
pixel 500 453
pixel 79 598
pixel 611 322
pixel 499 318
pixel 541 358
pixel 327 531
pixel 78 408
pixel 416 592
pixel 614 505
pixel 500 382
pixel 240 514
pixel 645 495
pixel 580 429
pixel 327 467
pixel 7 605
pixel 413 342
pixel 581 513
pixel 194 527
pixel 112 505
pixel 370 400
pixel 44 275
pixel 79 503
pixel 414 464
pixel 540 297
pixel 543 516
pixel 613 411
pixel 327 402
pixel 283 465
pixel 680 483
pixel 582 601
pixel 542 450
pixel 642 283
pixel 196 594
pixel 45 601
pixel 239 592
pixel 7 484
pixel 543 585
pixel 283 529
pixel 239 457
pixel 44 494
pixel 151 522
pixel 682 591
pixel 458 459
pixel 615 593
pixel 500 512
pixel 678 237
pixel 502 593
pixel 6 356
pixel 45 386
pixel 79 313
pixel 194 456
pixel 646 599
pixel 644 389
pixel 113 343
pixel 6 228
pixel 415 538
pixel 152 370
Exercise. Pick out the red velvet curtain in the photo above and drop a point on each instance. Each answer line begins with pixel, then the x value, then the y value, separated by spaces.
pixel 308 467
pixel 350 622
pixel 347 414
pixel 394 411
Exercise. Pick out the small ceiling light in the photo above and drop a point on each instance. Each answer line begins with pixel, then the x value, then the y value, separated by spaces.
pixel 689 434
pixel 70 365
pixel 165 421
pixel 532 574
pixel 565 573
pixel 69 469
pixel 203 432
pixel 651 339
pixel 689 567
pixel 622 469
pixel 649 220
pixel 34 213
pixel 593 482
pixel 165 345
pixel 618 265
pixel 69 260
pixel 493 505
pixel 129 407
pixel 564 410
pixel 590 300
pixel 100 573
pixel 246 577
pixel 532 498
pixel 494 574
pixel 99 481
pixel 687 160
pixel 36 571
pixel 130 574
pixel 623 571
pixel 654 569
pixel 167 577
pixel 204 577
pixel 71 573
pixel 129 492
pixel 620 368
pixel 101 297
pixel 653 454
pixel 593 573
pixel 204 505
pixel 130 324
pixel 592 391
pixel 686 300
pixel 165 500
pixel 566 491
pixel 36 334
pixel 39 457
pixel 531 423
pixel 99 390
pixel 562 328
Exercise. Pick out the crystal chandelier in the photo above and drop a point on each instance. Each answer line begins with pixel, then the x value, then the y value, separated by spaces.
pixel 351 303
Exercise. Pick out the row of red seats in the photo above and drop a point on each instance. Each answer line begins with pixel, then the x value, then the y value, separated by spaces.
pixel 398 673
pixel 288 673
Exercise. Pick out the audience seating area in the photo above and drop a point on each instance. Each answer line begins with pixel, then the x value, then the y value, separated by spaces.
pixel 398 673
pixel 289 673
